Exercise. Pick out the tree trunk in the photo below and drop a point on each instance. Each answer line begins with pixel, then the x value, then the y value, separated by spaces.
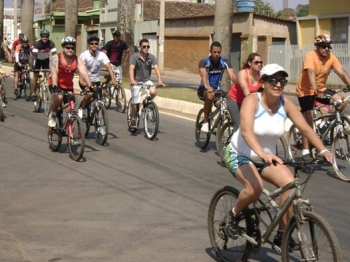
pixel 2 19
pixel 27 19
pixel 71 17
pixel 223 32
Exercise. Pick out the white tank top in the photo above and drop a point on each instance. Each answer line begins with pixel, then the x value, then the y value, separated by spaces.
pixel 267 128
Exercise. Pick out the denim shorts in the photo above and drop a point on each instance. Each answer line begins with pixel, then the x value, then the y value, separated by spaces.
pixel 234 160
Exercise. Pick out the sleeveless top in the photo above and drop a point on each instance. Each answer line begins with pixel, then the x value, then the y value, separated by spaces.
pixel 66 72
pixel 236 91
pixel 267 128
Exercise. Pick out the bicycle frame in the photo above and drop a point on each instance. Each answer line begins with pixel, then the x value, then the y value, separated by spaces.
pixel 221 110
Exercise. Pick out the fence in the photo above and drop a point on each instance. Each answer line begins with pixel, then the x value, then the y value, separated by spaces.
pixel 291 58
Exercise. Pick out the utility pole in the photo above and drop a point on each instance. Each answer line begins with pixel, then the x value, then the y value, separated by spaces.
pixel 15 34
pixel 161 35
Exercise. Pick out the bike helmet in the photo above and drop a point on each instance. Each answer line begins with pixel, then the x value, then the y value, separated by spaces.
pixel 323 39
pixel 116 33
pixel 25 39
pixel 68 40
pixel 44 32
pixel 93 37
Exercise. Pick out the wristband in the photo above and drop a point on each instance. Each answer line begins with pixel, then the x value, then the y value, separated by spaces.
pixel 324 151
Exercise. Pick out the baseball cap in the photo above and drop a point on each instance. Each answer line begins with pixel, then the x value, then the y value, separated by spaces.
pixel 271 69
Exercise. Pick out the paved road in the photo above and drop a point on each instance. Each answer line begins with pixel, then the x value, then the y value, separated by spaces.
pixel 131 200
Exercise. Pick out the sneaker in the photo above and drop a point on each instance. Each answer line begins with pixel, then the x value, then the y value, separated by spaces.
pixel 3 104
pixel 80 113
pixel 51 122
pixel 16 92
pixel 232 224
pixel 307 158
pixel 133 124
pixel 205 127
pixel 277 241
pixel 34 98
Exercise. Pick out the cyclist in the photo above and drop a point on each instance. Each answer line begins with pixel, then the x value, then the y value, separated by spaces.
pixel 115 50
pixel 262 117
pixel 22 57
pixel 63 66
pixel 211 70
pixel 93 60
pixel 247 82
pixel 15 43
pixel 41 51
pixel 312 81
pixel 140 70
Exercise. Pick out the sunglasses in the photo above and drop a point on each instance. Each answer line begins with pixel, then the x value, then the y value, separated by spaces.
pixel 69 47
pixel 93 44
pixel 44 36
pixel 274 81
pixel 326 46
pixel 145 46
pixel 258 62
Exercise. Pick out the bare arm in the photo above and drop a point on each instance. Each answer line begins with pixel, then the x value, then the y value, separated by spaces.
pixel 242 81
pixel 232 75
pixel 54 69
pixel 156 69
pixel 111 74
pixel 312 78
pixel 83 72
pixel 132 74
pixel 343 76
pixel 204 77
pixel 126 57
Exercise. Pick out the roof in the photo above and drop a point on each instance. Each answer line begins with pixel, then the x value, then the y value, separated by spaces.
pixel 176 10
pixel 58 6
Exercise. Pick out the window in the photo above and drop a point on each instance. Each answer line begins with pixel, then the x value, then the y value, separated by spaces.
pixel 340 30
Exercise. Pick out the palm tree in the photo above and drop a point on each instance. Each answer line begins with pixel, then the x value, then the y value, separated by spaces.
pixel 27 19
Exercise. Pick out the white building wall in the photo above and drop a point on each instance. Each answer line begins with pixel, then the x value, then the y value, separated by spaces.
pixel 9 25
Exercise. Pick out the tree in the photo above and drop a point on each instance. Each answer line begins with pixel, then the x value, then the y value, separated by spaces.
pixel 262 8
pixel 71 17
pixel 287 13
pixel 303 11
pixel 2 19
pixel 223 32
pixel 27 19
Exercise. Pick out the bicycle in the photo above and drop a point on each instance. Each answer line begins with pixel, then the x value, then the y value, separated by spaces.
pixel 43 93
pixel 96 115
pixel 217 119
pixel 336 136
pixel 148 111
pixel 68 124
pixel 25 85
pixel 315 238
pixel 109 91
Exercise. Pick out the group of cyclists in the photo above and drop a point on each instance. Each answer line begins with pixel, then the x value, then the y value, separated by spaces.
pixel 259 110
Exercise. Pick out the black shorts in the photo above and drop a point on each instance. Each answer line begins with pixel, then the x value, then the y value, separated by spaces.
pixel 307 102
pixel 42 64
pixel 66 98
pixel 201 93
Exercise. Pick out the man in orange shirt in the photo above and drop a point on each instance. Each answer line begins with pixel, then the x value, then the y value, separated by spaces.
pixel 312 81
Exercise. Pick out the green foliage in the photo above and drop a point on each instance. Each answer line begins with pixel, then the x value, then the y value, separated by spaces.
pixel 304 11
pixel 287 13
pixel 262 8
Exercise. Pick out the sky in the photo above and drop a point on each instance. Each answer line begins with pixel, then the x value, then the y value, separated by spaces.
pixel 277 4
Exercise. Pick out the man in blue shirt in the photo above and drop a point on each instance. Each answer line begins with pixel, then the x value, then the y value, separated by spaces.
pixel 211 70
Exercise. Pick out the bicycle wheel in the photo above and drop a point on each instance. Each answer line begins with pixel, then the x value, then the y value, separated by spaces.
pixel 38 101
pixel 101 125
pixel 106 95
pixel 201 138
pixel 88 119
pixel 294 143
pixel 27 89
pixel 76 138
pixel 46 100
pixel 282 148
pixel 341 155
pixel 151 120
pixel 224 137
pixel 316 239
pixel 120 99
pixel 54 136
pixel 137 118
pixel 225 247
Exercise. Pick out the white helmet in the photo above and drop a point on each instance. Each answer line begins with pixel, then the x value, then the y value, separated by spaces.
pixel 68 40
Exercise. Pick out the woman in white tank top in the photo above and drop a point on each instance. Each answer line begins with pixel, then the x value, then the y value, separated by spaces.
pixel 262 118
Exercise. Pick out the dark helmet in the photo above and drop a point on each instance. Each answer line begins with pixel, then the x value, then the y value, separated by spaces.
pixel 44 32
pixel 68 40
pixel 116 33
pixel 25 39
pixel 323 39
pixel 93 37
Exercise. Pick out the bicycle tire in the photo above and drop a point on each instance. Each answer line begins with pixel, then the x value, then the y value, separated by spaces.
pixel 201 138
pixel 224 138
pixel 282 148
pixel 317 240
pixel 106 95
pixel 120 99
pixel 75 137
pixel 54 136
pixel 137 118
pixel 224 247
pixel 341 155
pixel 151 120
pixel 39 99
pixel 46 100
pixel 88 119
pixel 101 128
pixel 294 143
pixel 27 89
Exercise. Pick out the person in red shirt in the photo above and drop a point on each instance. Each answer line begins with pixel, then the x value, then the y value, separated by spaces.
pixel 63 67
pixel 16 43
